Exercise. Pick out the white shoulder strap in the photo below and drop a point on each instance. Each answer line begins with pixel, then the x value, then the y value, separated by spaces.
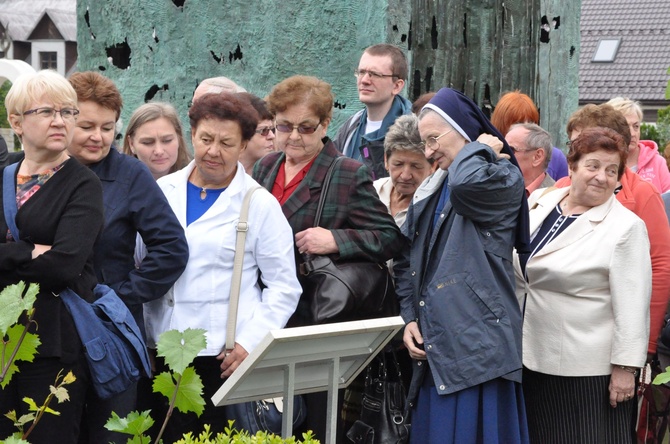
pixel 242 227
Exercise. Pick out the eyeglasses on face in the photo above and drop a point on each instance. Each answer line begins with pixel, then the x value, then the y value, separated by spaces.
pixel 360 73
pixel 433 143
pixel 265 131
pixel 285 128
pixel 69 114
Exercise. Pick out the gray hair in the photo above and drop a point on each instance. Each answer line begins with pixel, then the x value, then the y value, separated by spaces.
pixel 403 135
pixel 537 137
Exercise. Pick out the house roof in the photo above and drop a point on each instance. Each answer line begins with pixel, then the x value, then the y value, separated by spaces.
pixel 21 16
pixel 639 70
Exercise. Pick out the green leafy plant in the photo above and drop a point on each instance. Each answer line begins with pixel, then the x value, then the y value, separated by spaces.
pixel 181 385
pixel 234 436
pixel 20 345
pixel 650 132
pixel 57 391
pixel 17 343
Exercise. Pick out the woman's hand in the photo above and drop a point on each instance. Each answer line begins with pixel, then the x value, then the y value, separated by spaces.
pixel 495 144
pixel 622 386
pixel 40 249
pixel 412 337
pixel 316 240
pixel 231 359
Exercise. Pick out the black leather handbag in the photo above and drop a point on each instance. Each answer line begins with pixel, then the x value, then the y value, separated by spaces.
pixel 384 412
pixel 339 291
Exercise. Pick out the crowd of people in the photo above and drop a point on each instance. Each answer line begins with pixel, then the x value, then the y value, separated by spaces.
pixel 533 281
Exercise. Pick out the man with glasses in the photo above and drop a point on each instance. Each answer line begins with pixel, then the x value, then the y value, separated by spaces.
pixel 532 148
pixel 380 77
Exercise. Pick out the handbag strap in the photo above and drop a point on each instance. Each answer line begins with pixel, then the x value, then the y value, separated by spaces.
pixel 9 199
pixel 236 281
pixel 324 189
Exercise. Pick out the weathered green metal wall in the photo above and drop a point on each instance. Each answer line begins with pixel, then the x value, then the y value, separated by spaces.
pixel 487 47
pixel 161 49
pixel 558 67
pixel 257 43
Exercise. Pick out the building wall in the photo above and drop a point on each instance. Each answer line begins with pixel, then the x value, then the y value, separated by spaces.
pixel 48 46
pixel 156 50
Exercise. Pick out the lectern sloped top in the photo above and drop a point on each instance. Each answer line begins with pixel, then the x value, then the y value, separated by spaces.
pixel 311 351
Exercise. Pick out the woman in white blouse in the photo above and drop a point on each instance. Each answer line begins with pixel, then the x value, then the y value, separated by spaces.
pixel 207 196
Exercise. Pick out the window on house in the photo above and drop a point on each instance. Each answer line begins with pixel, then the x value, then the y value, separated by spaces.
pixel 48 60
pixel 606 50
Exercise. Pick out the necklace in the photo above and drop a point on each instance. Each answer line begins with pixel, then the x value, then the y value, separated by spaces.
pixel 203 193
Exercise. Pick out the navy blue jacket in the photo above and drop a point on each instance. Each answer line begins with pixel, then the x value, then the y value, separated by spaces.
pixel 135 204
pixel 457 279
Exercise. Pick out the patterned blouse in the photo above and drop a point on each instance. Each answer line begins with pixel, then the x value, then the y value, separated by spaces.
pixel 26 186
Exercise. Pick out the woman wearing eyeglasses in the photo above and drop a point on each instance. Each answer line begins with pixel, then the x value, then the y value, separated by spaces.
pixel 263 140
pixel 357 223
pixel 60 215
pixel 456 281
pixel 207 198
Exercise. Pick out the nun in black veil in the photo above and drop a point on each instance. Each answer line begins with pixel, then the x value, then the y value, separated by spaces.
pixel 456 282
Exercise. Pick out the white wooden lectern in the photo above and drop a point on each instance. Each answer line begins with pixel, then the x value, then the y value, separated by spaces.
pixel 305 360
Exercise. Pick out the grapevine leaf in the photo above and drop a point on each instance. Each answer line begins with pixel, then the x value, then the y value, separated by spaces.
pixel 60 393
pixel 179 349
pixel 25 419
pixel 32 406
pixel 134 424
pixel 15 439
pixel 189 396
pixel 28 348
pixel 13 303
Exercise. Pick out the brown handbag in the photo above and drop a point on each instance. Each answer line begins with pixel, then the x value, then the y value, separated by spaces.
pixel 339 291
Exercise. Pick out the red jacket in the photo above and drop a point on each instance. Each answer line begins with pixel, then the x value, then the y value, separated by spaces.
pixel 641 198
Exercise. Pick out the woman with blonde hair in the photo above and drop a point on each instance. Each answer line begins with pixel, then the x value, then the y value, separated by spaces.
pixel 154 135
pixel 643 156
pixel 59 217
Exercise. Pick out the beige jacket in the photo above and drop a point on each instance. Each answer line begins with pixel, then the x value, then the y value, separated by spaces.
pixel 588 291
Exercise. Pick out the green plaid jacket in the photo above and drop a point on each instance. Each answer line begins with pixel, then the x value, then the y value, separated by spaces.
pixel 360 222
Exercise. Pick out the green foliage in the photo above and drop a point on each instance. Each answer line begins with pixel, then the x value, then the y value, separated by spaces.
pixel 4 89
pixel 134 424
pixel 14 303
pixel 179 349
pixel 650 132
pixel 662 378
pixel 181 385
pixel 186 390
pixel 234 436
pixel 663 127
pixel 14 440
pixel 25 346
pixel 57 391
pixel 17 344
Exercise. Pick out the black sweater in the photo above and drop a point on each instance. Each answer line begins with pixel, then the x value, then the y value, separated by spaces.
pixel 66 213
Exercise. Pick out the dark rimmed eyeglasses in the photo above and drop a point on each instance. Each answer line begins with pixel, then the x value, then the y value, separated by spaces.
pixel 373 74
pixel 265 131
pixel 69 114
pixel 284 128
